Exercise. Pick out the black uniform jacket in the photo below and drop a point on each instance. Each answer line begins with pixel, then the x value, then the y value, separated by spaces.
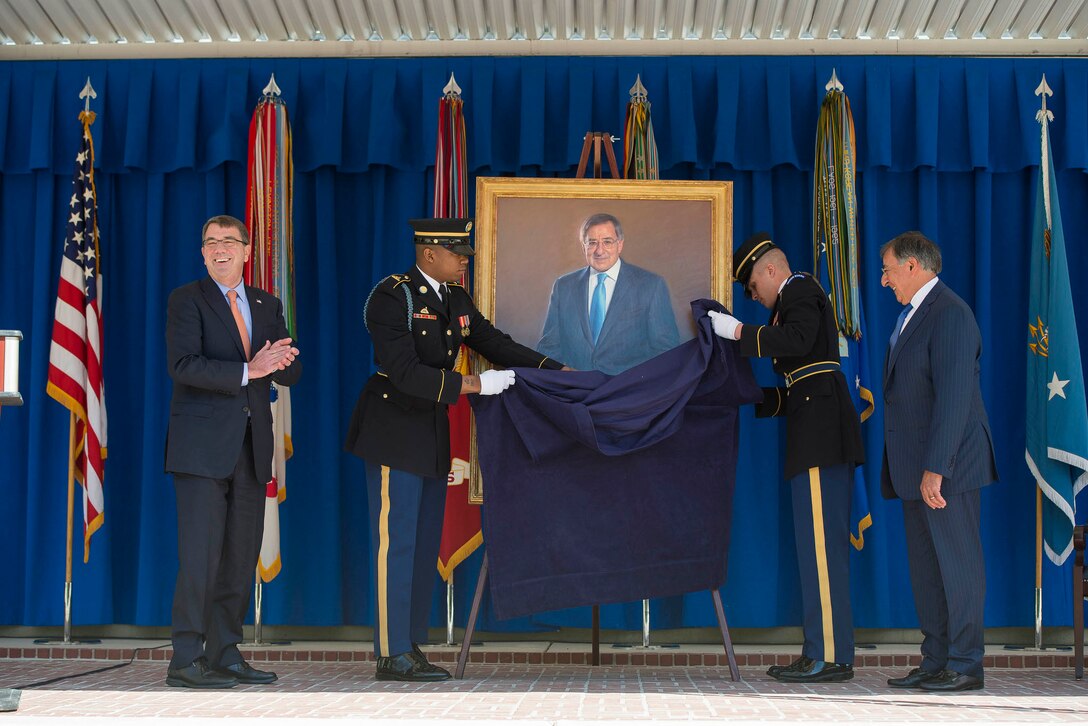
pixel 822 426
pixel 210 407
pixel 400 418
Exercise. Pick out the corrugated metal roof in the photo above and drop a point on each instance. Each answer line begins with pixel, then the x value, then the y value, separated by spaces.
pixel 147 28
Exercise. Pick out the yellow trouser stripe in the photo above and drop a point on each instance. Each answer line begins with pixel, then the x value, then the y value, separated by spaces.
pixel 383 568
pixel 821 563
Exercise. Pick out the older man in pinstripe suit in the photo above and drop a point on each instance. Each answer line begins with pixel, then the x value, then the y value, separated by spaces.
pixel 938 454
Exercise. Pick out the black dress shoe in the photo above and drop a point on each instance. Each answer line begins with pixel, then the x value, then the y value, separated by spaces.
pixel 818 671
pixel 800 664
pixel 948 681
pixel 198 675
pixel 404 667
pixel 245 673
pixel 423 664
pixel 914 679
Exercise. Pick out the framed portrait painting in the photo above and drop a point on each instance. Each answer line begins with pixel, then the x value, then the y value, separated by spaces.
pixel 542 244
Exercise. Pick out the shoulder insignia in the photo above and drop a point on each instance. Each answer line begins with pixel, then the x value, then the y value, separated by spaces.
pixel 398 279
pixel 455 284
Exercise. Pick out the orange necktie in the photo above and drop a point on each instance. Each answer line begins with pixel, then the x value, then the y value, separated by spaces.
pixel 239 320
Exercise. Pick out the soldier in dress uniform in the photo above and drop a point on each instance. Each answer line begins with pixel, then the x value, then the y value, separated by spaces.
pixel 823 445
pixel 417 322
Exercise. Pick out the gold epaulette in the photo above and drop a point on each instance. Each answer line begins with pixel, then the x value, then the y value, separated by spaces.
pixel 455 284
pixel 399 279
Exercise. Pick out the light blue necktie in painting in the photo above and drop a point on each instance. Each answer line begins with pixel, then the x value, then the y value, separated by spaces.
pixel 597 307
pixel 899 324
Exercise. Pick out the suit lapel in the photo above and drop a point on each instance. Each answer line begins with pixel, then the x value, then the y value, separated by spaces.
pixel 261 314
pixel 218 303
pixel 916 321
pixel 582 288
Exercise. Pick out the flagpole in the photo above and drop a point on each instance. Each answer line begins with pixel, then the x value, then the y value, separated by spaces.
pixel 1038 568
pixel 68 549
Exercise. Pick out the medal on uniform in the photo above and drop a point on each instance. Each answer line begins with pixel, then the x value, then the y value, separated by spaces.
pixel 463 320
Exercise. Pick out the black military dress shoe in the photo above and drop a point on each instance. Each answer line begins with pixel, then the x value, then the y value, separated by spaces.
pixel 817 671
pixel 423 664
pixel 198 675
pixel 404 667
pixel 949 681
pixel 914 679
pixel 800 664
pixel 245 673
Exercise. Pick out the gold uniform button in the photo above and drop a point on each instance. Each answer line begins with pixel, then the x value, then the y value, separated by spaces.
pixel 449 332
pixel 385 395
pixel 423 332
pixel 449 352
pixel 422 289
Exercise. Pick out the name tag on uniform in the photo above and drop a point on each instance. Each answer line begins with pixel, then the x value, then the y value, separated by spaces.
pixel 424 316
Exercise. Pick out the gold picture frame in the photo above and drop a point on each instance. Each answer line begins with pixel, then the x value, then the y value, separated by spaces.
pixel 681 230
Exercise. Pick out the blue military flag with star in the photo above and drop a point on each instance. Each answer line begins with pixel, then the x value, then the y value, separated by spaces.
pixel 1057 421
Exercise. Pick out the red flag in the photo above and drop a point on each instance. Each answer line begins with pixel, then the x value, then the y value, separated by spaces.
pixel 75 355
pixel 271 267
pixel 461 533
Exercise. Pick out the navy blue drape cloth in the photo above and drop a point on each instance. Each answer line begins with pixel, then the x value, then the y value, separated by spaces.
pixel 946 145
pixel 607 489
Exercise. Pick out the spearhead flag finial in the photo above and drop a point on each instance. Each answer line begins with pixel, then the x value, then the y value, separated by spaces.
pixel 451 89
pixel 638 91
pixel 833 84
pixel 87 94
pixel 271 89
pixel 1043 90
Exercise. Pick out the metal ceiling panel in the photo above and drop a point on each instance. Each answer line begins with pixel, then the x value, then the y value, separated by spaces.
pixel 356 21
pixel 13 28
pixel 57 28
pixel 123 21
pixel 38 22
pixel 181 20
pixel 1029 18
pixel 326 18
pixel 151 20
pixel 296 18
pixel 65 20
pixel 268 18
pixel 240 21
pixel 1001 16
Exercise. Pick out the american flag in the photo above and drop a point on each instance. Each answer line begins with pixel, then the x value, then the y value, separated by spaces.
pixel 75 356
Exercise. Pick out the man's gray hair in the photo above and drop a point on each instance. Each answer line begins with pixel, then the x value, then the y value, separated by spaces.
pixel 600 218
pixel 917 245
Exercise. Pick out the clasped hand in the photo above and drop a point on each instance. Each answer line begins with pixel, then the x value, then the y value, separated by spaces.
pixel 272 357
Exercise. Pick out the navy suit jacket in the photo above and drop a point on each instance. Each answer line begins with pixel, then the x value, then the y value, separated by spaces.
pixel 210 407
pixel 638 325
pixel 934 418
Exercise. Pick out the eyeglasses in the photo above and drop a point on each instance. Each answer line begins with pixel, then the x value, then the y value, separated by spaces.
pixel 606 243
pixel 212 242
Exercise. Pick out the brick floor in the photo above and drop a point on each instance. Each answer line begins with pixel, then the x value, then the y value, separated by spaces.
pixel 530 693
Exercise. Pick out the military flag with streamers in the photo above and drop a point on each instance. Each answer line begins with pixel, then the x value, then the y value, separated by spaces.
pixel 835 255
pixel 1057 423
pixel 271 267
pixel 639 145
pixel 75 354
pixel 461 532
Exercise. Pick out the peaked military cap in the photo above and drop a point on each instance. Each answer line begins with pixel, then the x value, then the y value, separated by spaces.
pixel 744 259
pixel 452 233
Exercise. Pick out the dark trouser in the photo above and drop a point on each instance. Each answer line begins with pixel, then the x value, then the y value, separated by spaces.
pixel 944 551
pixel 821 526
pixel 220 525
pixel 406 513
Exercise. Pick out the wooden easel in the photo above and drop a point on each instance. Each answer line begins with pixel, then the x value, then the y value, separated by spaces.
pixel 594 140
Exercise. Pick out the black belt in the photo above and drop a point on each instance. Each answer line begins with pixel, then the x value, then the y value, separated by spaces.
pixel 812 369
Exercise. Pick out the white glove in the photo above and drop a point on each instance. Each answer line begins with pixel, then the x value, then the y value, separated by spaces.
pixel 492 382
pixel 725 325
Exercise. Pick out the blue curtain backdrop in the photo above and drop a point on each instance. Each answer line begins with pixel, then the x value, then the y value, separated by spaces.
pixel 945 145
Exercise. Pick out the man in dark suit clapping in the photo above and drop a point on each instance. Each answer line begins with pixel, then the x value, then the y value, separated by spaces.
pixel 225 344
pixel 938 453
